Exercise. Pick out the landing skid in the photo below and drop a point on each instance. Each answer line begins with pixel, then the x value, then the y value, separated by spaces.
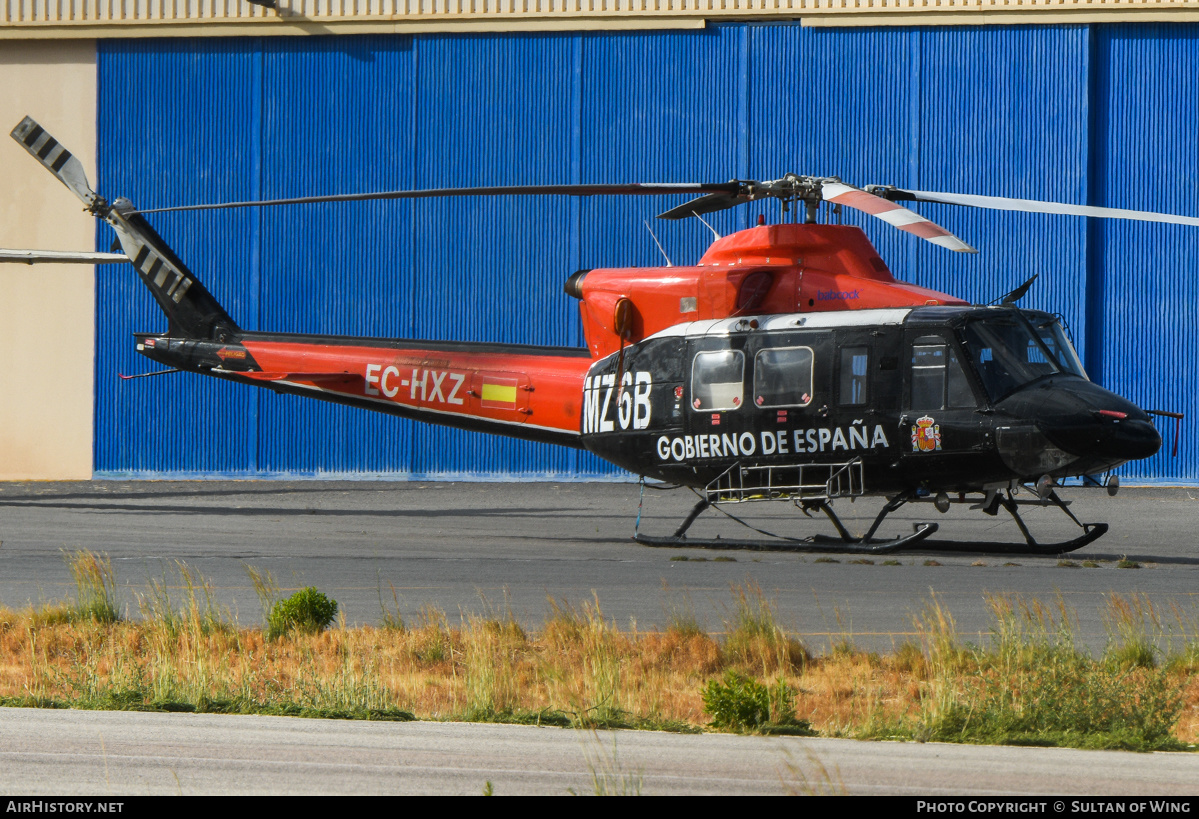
pixel 1090 531
pixel 845 542
pixel 817 543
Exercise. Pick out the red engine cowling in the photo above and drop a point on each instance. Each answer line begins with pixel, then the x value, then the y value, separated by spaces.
pixel 771 269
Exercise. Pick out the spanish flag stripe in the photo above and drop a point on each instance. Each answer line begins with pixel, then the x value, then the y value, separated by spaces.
pixel 499 393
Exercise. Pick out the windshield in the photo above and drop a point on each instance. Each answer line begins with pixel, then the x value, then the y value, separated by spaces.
pixel 1054 336
pixel 1007 354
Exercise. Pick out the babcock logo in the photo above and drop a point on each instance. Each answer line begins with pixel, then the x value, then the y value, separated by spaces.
pixel 837 295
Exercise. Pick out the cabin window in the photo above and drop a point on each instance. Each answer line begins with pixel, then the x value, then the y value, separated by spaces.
pixel 783 377
pixel 855 364
pixel 716 380
pixel 938 380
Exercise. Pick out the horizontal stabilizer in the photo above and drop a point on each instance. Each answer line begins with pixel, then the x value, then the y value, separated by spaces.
pixel 60 257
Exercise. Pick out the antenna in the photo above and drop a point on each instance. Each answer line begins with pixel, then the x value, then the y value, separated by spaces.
pixel 1017 294
pixel 659 244
pixel 695 213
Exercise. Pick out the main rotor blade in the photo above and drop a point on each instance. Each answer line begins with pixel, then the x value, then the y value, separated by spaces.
pixel 60 257
pixel 634 189
pixel 705 204
pixel 57 159
pixel 1036 206
pixel 894 215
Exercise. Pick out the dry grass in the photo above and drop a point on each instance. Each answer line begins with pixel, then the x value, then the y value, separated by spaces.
pixel 579 669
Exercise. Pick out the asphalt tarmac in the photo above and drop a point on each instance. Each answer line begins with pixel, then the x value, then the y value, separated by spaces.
pixel 121 753
pixel 483 547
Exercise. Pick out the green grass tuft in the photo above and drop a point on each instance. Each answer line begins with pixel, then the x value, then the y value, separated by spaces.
pixel 1066 701
pixel 308 611
pixel 199 614
pixel 389 617
pixel 739 703
pixel 95 587
pixel 1032 686
pixel 680 614
pixel 1134 628
pixel 754 639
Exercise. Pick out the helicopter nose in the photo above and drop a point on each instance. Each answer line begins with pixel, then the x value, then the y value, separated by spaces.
pixel 1089 422
pixel 1111 434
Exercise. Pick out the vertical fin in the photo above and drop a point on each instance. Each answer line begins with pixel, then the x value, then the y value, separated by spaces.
pixel 190 309
pixel 193 312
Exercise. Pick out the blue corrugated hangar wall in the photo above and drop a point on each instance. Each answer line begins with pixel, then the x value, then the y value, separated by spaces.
pixel 1101 115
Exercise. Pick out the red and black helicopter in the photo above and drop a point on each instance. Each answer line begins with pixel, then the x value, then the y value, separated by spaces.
pixel 787 364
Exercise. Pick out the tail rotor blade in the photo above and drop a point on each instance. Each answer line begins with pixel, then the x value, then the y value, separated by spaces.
pixel 895 215
pixel 57 159
pixel 1036 206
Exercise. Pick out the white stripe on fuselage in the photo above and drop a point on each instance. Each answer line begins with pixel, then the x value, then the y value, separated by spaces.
pixel 789 321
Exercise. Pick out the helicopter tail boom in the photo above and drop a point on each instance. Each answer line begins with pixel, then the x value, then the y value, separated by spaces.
pixel 520 391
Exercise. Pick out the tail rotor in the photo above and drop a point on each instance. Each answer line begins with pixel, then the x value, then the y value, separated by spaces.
pixel 191 310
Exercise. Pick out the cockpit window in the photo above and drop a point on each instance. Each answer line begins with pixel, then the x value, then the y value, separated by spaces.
pixel 1054 336
pixel 1007 354
pixel 716 380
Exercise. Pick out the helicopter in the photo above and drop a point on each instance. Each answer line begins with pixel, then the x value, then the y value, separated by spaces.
pixel 788 364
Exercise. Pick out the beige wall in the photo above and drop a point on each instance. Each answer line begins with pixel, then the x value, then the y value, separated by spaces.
pixel 23 19
pixel 47 312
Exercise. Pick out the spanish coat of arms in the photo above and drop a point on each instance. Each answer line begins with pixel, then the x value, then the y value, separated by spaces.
pixel 926 435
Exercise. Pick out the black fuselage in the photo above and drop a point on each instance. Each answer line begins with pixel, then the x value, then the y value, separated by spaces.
pixel 951 398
